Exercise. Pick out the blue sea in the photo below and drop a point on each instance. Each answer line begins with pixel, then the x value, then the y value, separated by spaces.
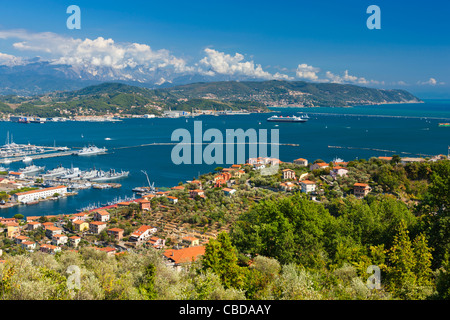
pixel 346 133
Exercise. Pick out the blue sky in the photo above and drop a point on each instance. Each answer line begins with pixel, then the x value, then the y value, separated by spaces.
pixel 300 40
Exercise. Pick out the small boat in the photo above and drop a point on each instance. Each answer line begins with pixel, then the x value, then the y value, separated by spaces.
pixel 27 159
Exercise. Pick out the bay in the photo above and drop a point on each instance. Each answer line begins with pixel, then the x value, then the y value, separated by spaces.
pixel 346 133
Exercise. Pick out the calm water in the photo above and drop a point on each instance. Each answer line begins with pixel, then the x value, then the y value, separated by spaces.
pixel 409 130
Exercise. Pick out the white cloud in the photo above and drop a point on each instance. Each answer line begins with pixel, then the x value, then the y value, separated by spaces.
pixel 431 82
pixel 307 72
pixel 95 53
pixel 10 60
pixel 222 63
pixel 347 78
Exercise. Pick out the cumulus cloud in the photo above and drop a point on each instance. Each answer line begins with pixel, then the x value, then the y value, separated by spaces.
pixel 431 82
pixel 222 63
pixel 10 60
pixel 348 78
pixel 307 72
pixel 95 53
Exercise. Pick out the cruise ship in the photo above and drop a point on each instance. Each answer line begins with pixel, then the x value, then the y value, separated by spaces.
pixel 91 150
pixel 109 175
pixel 31 169
pixel 287 119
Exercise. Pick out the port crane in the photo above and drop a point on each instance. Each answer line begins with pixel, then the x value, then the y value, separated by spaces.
pixel 151 185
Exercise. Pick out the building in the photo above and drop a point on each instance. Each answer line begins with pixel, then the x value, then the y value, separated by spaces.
pixel 307 186
pixel 360 190
pixel 49 248
pixel 385 158
pixel 116 233
pixel 411 160
pixel 59 239
pixel 288 174
pixel 110 251
pixel 50 231
pixel 301 162
pixel 318 165
pixel 229 191
pixel 28 245
pixel 74 241
pixel 190 241
pixel 33 225
pixel 338 171
pixel 20 239
pixel 143 233
pixel 35 195
pixel 97 226
pixel 157 243
pixel 101 215
pixel 195 193
pixel 287 186
pixel 173 200
pixel 80 225
pixel 83 216
pixel 12 229
pixel 144 205
pixel 179 258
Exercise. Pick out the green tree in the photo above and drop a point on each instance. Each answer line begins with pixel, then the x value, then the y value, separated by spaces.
pixel 147 286
pixel 221 257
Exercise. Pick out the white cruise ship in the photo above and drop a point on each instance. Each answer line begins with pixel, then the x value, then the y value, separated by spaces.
pixel 91 150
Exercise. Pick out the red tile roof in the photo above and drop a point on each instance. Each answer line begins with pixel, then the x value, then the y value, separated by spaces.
pixel 185 255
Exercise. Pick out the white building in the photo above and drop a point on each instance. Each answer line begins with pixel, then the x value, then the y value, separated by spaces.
pixel 308 186
pixel 34 195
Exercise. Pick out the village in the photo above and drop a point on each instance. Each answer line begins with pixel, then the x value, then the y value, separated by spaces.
pixel 180 221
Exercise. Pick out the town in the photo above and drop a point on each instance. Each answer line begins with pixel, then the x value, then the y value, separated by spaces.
pixel 180 222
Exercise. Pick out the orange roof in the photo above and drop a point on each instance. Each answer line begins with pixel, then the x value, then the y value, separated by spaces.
pixel 141 230
pixel 173 198
pixel 185 255
pixel 102 212
pixel 190 238
pixel 361 184
pixel 385 158
pixel 116 230
pixel 307 182
pixel 75 237
pixel 98 223
pixel 301 159
pixel 79 222
pixel 177 188
pixel 59 235
pixel 53 228
pixel 33 223
pixel 107 249
pixel 322 164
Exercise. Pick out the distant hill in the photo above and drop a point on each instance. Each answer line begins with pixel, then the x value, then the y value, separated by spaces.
pixel 250 95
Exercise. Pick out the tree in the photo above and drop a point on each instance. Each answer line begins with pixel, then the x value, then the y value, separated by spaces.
pixel 400 270
pixel 220 257
pixel 147 286
pixel 18 216
pixel 422 268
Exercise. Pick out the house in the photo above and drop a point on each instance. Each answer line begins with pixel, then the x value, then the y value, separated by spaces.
pixel 307 186
pixel 116 233
pixel 33 225
pixel 198 183
pixel 101 215
pixel 318 165
pixel 12 229
pixel 288 174
pixel 338 171
pixel 49 248
pixel 287 186
pixel 301 162
pixel 190 241
pixel 360 190
pixel 411 160
pixel 229 191
pixel 178 258
pixel 195 193
pixel 97 226
pixel 385 158
pixel 144 204
pixel 173 200
pixel 80 225
pixel 59 239
pixel 19 239
pixel 143 233
pixel 258 166
pixel 83 216
pixel 50 231
pixel 47 224
pixel 156 242
pixel 28 245
pixel 177 188
pixel 110 251
pixel 74 241
pixel 16 175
